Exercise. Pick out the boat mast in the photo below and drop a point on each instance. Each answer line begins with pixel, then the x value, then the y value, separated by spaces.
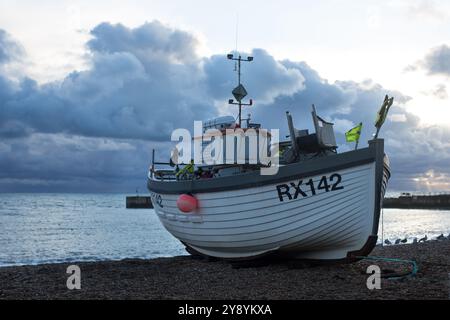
pixel 239 92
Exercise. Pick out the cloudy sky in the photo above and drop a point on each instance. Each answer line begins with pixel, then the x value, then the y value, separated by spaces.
pixel 87 88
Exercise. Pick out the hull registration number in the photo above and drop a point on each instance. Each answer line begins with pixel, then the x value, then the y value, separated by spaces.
pixel 293 190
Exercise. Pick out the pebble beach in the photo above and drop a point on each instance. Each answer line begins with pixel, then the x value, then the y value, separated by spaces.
pixel 187 277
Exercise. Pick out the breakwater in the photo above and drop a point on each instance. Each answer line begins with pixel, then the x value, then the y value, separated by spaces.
pixel 409 201
pixel 139 202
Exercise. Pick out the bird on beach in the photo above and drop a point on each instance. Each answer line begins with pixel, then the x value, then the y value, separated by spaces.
pixel 387 242
pixel 398 241
pixel 440 237
pixel 404 240
pixel 415 240
pixel 423 239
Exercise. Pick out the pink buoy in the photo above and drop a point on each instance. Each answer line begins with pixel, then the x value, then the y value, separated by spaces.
pixel 187 203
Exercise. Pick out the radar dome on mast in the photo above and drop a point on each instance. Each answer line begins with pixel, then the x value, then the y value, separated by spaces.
pixel 239 92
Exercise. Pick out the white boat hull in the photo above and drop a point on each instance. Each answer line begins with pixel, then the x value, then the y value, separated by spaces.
pixel 312 224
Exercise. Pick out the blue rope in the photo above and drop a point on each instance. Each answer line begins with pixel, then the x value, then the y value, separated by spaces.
pixel 413 272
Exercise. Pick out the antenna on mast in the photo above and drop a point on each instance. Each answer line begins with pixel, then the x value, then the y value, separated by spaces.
pixel 239 92
pixel 236 35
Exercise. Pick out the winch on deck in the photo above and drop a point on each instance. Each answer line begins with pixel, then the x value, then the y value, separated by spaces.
pixel 303 145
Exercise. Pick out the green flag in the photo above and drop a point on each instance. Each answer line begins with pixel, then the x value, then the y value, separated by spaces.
pixel 353 134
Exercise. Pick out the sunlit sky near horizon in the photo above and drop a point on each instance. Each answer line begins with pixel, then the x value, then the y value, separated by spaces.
pixel 400 45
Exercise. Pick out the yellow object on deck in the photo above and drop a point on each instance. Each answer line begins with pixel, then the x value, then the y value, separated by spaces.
pixel 187 169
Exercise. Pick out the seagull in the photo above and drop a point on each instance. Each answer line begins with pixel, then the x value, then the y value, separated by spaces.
pixel 387 242
pixel 397 241
pixel 423 239
pixel 415 240
pixel 404 240
pixel 440 237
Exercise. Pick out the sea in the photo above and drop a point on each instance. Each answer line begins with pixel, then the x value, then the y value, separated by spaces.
pixel 53 228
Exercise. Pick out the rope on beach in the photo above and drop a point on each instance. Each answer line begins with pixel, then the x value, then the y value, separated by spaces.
pixel 382 226
pixel 412 273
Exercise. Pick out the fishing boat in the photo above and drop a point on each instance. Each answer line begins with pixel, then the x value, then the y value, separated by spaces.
pixel 319 205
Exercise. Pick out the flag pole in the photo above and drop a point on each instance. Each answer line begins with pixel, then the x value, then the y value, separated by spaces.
pixel 357 140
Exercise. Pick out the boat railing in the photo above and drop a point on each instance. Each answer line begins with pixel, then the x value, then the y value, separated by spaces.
pixel 160 174
pixel 169 172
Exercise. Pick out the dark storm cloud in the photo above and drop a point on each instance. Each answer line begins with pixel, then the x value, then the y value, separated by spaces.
pixel 138 87
pixel 342 100
pixel 94 129
pixel 436 62
pixel 413 148
pixel 265 78
pixel 147 42
pixel 142 84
